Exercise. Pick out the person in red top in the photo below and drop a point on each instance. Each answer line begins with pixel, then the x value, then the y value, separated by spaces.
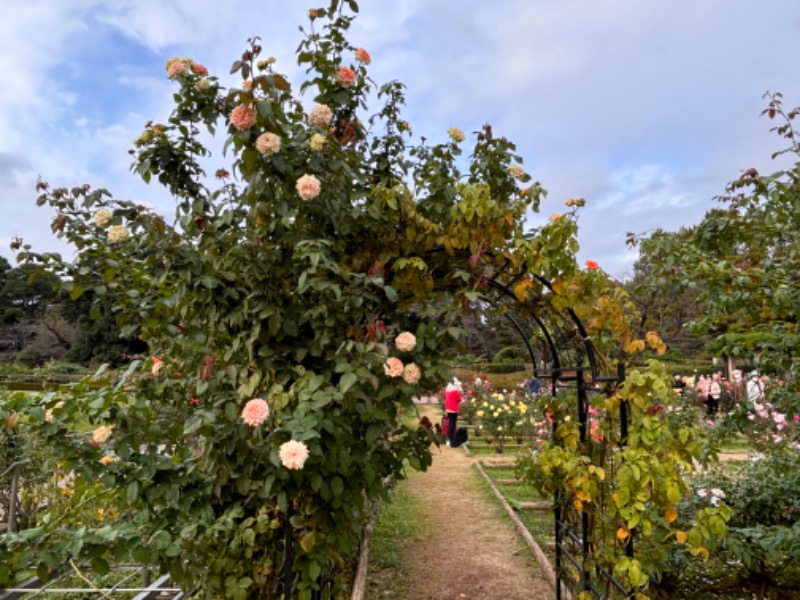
pixel 452 398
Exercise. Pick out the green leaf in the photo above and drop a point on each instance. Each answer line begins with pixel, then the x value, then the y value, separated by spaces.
pixel 192 424
pixel 337 485
pixel 99 565
pixel 391 294
pixel 132 493
pixel 314 570
pixel 373 431
pixel 347 381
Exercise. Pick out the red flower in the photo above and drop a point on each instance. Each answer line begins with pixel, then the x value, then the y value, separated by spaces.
pixel 194 401
pixel 591 265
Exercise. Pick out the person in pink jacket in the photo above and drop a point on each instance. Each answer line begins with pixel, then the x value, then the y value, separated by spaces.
pixel 452 398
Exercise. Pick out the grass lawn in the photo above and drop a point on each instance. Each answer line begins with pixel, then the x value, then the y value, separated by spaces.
pixel 397 524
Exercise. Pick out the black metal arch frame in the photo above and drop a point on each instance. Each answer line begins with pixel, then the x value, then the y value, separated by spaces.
pixel 585 376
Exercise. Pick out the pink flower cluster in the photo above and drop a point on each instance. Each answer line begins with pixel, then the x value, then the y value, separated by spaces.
pixel 255 412
pixel 181 66
pixel 293 454
pixel 243 116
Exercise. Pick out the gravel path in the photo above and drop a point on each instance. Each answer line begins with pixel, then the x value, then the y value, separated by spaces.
pixel 471 550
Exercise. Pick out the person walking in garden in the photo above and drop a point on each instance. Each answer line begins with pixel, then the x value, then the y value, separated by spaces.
pixel 714 391
pixel 755 389
pixel 679 385
pixel 452 398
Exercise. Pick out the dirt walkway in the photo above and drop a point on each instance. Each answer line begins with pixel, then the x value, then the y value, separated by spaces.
pixel 470 550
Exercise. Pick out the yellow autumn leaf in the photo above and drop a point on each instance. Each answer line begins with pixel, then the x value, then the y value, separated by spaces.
pixel 521 290
pixel 671 515
pixel 681 537
pixel 578 505
pixel 635 346
pixel 623 533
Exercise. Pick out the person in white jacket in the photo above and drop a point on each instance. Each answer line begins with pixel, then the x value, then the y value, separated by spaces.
pixel 755 389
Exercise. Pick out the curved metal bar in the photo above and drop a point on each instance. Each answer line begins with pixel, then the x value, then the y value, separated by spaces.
pixel 587 341
pixel 550 344
pixel 518 327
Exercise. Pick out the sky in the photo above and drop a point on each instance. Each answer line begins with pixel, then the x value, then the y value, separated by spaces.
pixel 644 108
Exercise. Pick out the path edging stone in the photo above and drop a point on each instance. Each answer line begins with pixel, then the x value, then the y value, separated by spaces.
pixel 540 556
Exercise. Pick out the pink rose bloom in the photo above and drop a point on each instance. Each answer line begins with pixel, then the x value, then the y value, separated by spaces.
pixel 405 341
pixel 346 76
pixel 243 116
pixel 157 365
pixel 554 217
pixel 199 70
pixel 393 367
pixel 363 57
pixel 321 115
pixel 255 412
pixel 293 454
pixel 411 374
pixel 308 187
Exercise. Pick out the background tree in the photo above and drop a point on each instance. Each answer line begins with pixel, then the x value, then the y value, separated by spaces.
pixel 743 259
pixel 30 288
pixel 664 305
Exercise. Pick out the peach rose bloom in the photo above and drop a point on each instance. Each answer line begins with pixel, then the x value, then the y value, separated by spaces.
pixel 255 412
pixel 268 144
pixel 243 116
pixel 405 341
pixel 321 115
pixel 346 76
pixel 293 454
pixel 363 57
pixel 412 374
pixel 102 433
pixel 393 367
pixel 308 187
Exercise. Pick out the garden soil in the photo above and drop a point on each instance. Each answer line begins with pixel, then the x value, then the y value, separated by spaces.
pixel 470 549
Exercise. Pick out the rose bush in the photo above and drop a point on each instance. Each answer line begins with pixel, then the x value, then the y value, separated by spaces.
pixel 270 304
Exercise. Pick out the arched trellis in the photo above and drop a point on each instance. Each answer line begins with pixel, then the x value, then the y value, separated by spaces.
pixel 565 357
pixel 571 361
